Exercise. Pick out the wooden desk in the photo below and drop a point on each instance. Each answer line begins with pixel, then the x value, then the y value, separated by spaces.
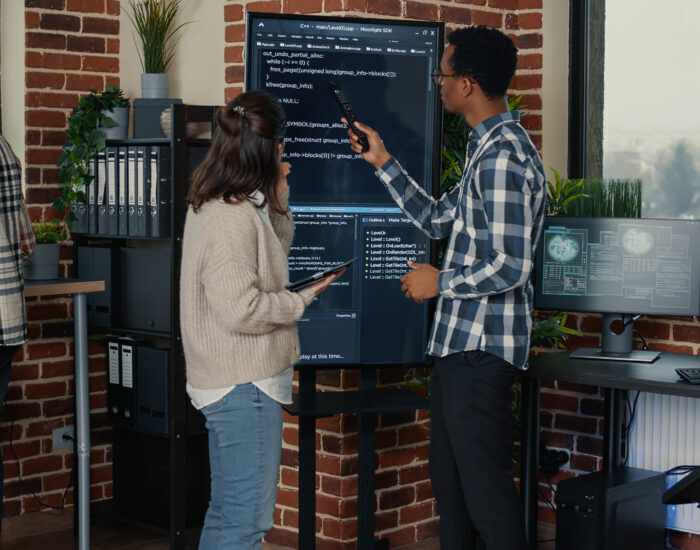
pixel 615 376
pixel 78 289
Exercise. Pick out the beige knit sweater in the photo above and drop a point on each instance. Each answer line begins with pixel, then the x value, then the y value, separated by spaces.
pixel 238 322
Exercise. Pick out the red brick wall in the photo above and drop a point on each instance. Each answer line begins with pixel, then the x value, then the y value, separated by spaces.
pixel 405 508
pixel 72 46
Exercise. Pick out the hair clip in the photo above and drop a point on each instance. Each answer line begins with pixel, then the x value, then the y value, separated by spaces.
pixel 240 110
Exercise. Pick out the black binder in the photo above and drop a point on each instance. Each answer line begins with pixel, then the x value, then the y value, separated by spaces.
pixel 121 200
pixel 102 217
pixel 154 408
pixel 141 192
pixel 112 190
pixel 80 224
pixel 160 200
pixel 114 391
pixel 153 398
pixel 127 363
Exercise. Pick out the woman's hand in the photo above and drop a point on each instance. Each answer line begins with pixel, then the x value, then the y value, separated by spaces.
pixel 377 154
pixel 326 281
pixel 285 169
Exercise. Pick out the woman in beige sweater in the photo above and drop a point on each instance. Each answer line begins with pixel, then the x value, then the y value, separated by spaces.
pixel 238 321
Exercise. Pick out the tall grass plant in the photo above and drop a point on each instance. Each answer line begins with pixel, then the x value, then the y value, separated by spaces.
pixel 611 199
pixel 154 24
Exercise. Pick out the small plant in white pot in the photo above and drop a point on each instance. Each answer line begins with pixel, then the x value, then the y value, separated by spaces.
pixel 155 27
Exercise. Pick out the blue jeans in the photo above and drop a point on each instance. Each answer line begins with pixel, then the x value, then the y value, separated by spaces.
pixel 245 447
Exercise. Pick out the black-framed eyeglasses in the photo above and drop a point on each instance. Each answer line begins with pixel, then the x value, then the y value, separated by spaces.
pixel 436 75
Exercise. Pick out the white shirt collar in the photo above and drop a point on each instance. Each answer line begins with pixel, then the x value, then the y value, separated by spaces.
pixel 258 198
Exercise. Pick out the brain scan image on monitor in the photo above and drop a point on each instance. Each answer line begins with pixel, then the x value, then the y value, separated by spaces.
pixel 619 266
pixel 638 241
pixel 563 248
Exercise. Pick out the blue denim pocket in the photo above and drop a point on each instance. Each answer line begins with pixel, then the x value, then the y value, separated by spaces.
pixel 215 406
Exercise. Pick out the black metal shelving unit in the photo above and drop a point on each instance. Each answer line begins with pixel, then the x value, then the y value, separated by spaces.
pixel 175 464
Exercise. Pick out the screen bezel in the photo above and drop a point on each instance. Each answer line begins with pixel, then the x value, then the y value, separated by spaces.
pixel 570 304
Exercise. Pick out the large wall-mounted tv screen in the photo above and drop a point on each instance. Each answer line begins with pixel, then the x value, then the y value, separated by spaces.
pixel 341 209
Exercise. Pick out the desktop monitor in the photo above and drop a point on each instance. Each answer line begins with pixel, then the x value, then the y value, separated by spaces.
pixel 340 207
pixel 621 267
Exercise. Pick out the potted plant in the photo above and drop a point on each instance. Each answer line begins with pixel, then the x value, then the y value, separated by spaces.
pixel 86 132
pixel 119 114
pixel 154 24
pixel 43 263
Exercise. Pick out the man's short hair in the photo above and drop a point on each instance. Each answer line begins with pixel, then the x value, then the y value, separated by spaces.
pixel 486 55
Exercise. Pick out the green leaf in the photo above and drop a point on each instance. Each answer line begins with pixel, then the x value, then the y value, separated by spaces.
pixel 572 198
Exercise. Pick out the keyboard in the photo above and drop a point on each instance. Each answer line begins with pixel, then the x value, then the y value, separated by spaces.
pixel 689 375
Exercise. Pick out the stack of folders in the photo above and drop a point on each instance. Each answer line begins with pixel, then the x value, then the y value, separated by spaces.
pixel 121 395
pixel 129 194
pixel 138 382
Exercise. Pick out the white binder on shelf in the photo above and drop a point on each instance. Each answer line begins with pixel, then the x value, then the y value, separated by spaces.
pixel 112 190
pixel 102 219
pixel 91 195
pixel 131 167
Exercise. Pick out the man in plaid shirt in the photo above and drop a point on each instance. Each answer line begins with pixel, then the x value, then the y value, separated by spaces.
pixel 481 331
pixel 16 243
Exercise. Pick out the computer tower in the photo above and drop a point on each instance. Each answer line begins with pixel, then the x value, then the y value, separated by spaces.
pixel 620 509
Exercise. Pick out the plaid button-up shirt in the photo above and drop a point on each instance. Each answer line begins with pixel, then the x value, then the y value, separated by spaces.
pixel 493 219
pixel 16 242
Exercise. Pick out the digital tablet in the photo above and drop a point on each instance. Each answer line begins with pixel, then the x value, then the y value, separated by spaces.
pixel 316 277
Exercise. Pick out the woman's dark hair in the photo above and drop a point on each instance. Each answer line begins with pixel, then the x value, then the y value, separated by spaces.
pixel 486 55
pixel 244 154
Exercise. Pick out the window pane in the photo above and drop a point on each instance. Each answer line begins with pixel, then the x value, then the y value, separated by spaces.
pixel 651 116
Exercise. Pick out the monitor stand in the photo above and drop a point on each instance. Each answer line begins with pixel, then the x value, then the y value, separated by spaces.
pixel 617 332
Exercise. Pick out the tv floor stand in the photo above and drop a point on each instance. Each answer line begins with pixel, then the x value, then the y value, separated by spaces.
pixel 366 402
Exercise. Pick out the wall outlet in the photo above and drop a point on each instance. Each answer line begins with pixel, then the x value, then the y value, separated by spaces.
pixel 61 442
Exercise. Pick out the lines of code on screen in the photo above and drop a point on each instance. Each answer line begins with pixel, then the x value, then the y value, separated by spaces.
pixel 341 209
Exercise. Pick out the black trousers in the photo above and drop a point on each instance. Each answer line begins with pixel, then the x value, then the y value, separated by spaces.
pixel 6 354
pixel 471 462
